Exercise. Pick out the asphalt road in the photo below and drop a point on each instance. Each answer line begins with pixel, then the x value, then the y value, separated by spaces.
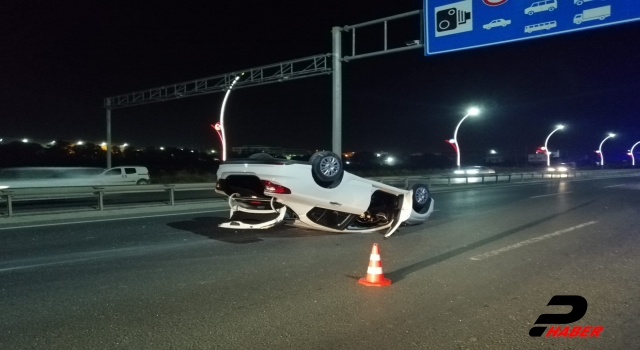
pixel 476 276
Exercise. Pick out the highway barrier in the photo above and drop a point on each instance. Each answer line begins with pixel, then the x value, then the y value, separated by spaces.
pixel 479 179
pixel 97 195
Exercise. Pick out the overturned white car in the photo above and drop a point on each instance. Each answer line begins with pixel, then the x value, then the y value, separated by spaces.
pixel 264 191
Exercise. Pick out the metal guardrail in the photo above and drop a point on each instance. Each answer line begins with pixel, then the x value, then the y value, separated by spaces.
pixel 449 180
pixel 99 192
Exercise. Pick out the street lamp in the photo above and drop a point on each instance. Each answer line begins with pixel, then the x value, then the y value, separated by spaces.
pixel 633 158
pixel 224 103
pixel 473 111
pixel 600 149
pixel 546 149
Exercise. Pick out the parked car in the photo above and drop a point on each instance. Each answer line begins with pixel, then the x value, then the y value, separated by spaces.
pixel 474 170
pixel 264 191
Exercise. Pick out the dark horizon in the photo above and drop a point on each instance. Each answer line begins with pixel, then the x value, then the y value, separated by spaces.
pixel 63 59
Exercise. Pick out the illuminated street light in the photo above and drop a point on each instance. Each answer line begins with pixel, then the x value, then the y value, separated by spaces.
pixel 473 111
pixel 125 145
pixel 161 148
pixel 80 143
pixel 224 103
pixel 103 144
pixel 633 158
pixel 493 151
pixel 25 140
pixel 559 127
pixel 600 149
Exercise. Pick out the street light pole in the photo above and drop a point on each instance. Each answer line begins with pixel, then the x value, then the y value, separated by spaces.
pixel 546 149
pixel 471 112
pixel 633 158
pixel 224 103
pixel 600 150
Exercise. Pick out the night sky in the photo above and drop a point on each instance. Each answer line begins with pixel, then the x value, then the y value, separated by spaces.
pixel 60 59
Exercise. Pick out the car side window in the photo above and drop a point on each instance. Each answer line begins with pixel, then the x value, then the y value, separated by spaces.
pixel 129 170
pixel 113 172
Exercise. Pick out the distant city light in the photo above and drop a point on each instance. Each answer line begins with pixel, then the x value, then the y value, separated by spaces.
pixel 80 143
pixel 52 142
pixel 125 144
pixel 0 140
pixel 103 144
pixel 493 151
pixel 191 151
pixel 390 159
pixel 348 162
pixel 161 148
pixel 377 154
pixel 213 151
pixel 25 140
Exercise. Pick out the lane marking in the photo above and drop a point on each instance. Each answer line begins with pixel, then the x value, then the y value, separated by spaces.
pixel 112 219
pixel 614 186
pixel 549 195
pixel 530 241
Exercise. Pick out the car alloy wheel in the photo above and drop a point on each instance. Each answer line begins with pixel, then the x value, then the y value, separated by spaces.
pixel 329 166
pixel 421 195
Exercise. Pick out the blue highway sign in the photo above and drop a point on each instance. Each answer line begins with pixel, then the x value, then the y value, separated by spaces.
pixel 453 25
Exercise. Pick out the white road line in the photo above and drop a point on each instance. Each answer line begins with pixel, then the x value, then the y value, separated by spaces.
pixel 614 186
pixel 548 195
pixel 114 219
pixel 529 241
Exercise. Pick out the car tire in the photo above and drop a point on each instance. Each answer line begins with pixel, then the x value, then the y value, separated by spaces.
pixel 530 13
pixel 142 182
pixel 326 168
pixel 579 3
pixel 260 156
pixel 421 196
pixel 551 9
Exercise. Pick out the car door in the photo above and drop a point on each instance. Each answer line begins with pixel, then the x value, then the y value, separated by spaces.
pixel 130 176
pixel 113 176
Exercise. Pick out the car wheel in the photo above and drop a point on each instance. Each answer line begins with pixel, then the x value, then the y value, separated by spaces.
pixel 260 156
pixel 530 12
pixel 551 8
pixel 326 166
pixel 579 3
pixel 142 182
pixel 421 196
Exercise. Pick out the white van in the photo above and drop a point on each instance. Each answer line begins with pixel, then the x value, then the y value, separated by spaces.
pixel 539 6
pixel 125 175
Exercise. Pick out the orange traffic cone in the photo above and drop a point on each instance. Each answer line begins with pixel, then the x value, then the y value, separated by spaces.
pixel 375 278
